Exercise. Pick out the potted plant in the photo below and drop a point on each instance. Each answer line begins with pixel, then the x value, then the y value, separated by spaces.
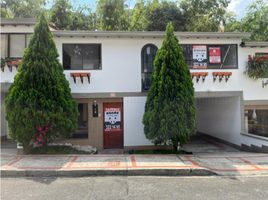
pixel 3 63
pixel 257 66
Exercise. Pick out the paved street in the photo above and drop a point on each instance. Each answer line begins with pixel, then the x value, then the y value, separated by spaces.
pixel 113 188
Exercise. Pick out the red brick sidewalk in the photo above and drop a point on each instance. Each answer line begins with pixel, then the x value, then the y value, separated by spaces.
pixel 228 164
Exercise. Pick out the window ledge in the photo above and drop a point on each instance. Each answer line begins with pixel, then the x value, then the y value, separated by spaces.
pixel 198 75
pixel 227 75
pixel 255 136
pixel 81 75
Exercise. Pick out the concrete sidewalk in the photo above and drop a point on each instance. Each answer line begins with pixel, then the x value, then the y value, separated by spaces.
pixel 228 163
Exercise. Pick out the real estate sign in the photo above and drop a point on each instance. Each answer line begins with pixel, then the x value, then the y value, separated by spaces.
pixel 214 55
pixel 199 56
pixel 112 119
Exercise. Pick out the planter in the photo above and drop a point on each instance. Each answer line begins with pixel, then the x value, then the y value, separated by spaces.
pixel 257 67
pixel 13 62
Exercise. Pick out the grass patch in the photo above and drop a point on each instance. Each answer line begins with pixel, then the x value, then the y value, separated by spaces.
pixel 158 151
pixel 55 150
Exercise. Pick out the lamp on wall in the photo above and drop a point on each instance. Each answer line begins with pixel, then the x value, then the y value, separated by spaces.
pixel 264 83
pixel 95 109
pixel 254 114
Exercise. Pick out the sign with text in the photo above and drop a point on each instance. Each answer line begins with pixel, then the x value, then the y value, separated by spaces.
pixel 215 55
pixel 112 119
pixel 199 56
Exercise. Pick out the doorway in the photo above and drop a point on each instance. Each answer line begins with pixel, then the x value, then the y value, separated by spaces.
pixel 113 125
pixel 82 122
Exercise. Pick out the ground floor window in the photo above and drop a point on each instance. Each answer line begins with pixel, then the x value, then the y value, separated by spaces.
pixel 82 123
pixel 256 121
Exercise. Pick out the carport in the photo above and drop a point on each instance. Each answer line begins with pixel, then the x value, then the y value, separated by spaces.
pixel 220 115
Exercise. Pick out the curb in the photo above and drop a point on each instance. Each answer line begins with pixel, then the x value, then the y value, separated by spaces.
pixel 84 173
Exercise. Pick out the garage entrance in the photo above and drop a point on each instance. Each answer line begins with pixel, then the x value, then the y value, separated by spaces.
pixel 221 115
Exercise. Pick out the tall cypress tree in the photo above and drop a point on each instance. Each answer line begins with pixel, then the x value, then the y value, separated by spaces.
pixel 39 104
pixel 170 107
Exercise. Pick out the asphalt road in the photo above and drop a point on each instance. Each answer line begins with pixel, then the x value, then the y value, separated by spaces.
pixel 140 188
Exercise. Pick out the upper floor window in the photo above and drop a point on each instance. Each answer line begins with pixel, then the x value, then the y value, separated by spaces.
pixel 81 56
pixel 148 53
pixel 222 56
pixel 13 45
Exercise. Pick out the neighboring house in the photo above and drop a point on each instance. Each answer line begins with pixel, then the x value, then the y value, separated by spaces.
pixel 110 72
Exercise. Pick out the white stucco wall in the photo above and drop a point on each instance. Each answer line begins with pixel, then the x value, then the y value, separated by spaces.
pixel 121 67
pixel 133 127
pixel 220 117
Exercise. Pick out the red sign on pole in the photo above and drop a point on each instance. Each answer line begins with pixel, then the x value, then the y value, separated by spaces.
pixel 215 55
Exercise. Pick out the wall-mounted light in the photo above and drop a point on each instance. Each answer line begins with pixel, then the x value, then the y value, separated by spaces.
pixel 95 109
pixel 264 83
pixel 254 114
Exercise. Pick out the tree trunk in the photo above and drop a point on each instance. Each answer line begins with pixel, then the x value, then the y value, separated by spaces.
pixel 175 147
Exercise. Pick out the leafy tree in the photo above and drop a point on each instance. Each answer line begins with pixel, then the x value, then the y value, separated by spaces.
pixel 231 24
pixel 161 13
pixel 204 15
pixel 256 21
pixel 170 107
pixel 22 8
pixel 83 19
pixel 39 104
pixel 61 14
pixel 112 15
pixel 138 18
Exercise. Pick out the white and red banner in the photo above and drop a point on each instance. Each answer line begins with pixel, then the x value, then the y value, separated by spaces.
pixel 199 56
pixel 112 119
pixel 215 55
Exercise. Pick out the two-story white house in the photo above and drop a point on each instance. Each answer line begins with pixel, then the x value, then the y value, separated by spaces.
pixel 110 72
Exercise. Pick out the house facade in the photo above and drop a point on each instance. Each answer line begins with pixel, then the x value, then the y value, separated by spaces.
pixel 110 73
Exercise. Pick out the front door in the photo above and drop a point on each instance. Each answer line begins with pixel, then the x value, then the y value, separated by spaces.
pixel 113 125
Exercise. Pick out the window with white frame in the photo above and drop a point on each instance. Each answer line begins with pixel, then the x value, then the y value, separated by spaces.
pixel 148 54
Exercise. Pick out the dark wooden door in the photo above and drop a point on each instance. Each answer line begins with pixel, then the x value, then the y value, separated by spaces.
pixel 112 125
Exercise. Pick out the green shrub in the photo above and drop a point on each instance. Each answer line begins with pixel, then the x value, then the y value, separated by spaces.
pixel 170 107
pixel 39 104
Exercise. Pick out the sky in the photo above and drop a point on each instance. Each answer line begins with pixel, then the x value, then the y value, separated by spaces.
pixel 236 6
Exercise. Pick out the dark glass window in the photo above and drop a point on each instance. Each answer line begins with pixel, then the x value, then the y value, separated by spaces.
pixel 148 53
pixel 82 123
pixel 222 56
pixel 256 121
pixel 81 56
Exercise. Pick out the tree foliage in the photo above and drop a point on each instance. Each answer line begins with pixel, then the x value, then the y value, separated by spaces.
pixel 204 15
pixel 160 14
pixel 254 22
pixel 61 14
pixel 147 15
pixel 22 8
pixel 138 21
pixel 83 19
pixel 170 108
pixel 112 15
pixel 39 102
